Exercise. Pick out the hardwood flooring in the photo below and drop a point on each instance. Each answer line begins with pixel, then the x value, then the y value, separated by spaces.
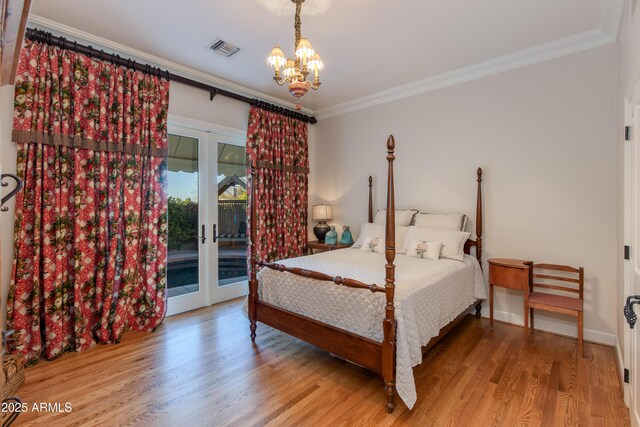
pixel 200 368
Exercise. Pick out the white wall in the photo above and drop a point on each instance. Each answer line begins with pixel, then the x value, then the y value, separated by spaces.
pixel 194 103
pixel 545 136
pixel 8 165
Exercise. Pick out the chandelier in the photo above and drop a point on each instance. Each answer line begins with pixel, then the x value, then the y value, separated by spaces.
pixel 295 71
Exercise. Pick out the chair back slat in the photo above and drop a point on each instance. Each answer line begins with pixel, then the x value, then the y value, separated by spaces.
pixel 560 278
pixel 557 267
pixel 558 288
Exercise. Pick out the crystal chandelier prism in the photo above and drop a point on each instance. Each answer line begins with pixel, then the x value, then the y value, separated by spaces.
pixel 295 71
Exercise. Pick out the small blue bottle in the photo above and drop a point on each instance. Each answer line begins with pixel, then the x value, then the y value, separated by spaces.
pixel 346 238
pixel 332 236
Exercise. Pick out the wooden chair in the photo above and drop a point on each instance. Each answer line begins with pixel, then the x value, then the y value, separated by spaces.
pixel 555 302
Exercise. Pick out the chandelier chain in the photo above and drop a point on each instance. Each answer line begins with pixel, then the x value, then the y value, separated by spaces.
pixel 297 24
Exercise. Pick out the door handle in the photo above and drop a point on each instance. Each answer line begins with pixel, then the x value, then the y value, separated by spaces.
pixel 215 233
pixel 628 310
pixel 203 237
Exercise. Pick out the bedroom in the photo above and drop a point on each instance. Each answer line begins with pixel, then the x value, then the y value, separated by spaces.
pixel 538 95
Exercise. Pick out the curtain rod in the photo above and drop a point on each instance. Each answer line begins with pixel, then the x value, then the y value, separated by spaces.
pixel 41 36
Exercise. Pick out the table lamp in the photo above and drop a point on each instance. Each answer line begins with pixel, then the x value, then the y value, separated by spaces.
pixel 321 213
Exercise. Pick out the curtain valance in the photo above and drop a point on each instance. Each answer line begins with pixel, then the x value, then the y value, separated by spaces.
pixel 66 98
pixel 277 142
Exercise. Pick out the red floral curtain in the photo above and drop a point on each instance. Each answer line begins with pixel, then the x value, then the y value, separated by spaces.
pixel 277 149
pixel 91 223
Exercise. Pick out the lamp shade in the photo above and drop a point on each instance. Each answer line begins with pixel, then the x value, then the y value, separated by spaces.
pixel 322 212
pixel 304 50
pixel 289 68
pixel 276 58
pixel 315 63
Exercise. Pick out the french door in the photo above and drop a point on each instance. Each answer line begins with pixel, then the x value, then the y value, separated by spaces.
pixel 207 217
pixel 632 238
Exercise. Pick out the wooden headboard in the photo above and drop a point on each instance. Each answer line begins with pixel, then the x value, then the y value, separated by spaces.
pixel 477 243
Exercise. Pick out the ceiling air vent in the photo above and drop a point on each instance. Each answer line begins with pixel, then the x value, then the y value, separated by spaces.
pixel 223 48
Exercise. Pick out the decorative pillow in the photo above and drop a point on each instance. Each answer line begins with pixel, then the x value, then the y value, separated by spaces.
pixel 403 216
pixel 373 244
pixel 424 249
pixel 456 222
pixel 452 241
pixel 378 230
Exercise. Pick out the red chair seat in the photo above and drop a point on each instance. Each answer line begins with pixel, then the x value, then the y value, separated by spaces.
pixel 559 301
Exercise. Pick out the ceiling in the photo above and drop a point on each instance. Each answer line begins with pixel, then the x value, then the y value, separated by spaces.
pixel 367 45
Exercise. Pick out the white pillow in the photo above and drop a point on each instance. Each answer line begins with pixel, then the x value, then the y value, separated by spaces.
pixel 373 244
pixel 424 249
pixel 378 230
pixel 456 222
pixel 403 216
pixel 452 241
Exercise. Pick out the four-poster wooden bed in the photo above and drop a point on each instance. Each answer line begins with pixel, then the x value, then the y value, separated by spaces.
pixel 376 356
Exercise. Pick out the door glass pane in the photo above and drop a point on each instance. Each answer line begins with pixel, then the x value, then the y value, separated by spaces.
pixel 232 214
pixel 184 246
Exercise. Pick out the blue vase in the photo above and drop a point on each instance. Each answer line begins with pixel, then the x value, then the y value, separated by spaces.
pixel 332 236
pixel 346 238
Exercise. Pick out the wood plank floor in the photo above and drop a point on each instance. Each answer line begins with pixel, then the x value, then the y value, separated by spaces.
pixel 200 368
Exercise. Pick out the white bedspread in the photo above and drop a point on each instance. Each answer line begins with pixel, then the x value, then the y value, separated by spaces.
pixel 429 295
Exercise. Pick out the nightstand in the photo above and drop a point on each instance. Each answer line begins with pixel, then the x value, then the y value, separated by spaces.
pixel 512 274
pixel 315 245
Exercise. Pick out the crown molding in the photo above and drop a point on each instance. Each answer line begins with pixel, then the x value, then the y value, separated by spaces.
pixel 113 47
pixel 540 53
pixel 611 17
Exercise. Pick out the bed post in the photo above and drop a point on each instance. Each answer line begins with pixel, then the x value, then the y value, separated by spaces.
pixel 370 200
pixel 479 219
pixel 389 324
pixel 253 281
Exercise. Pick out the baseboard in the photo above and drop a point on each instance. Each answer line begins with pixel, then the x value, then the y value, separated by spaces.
pixel 551 326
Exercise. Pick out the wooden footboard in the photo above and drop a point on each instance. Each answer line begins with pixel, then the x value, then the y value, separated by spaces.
pixel 315 275
pixel 375 356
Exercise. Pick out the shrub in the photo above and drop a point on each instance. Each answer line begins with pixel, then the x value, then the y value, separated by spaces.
pixel 183 222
